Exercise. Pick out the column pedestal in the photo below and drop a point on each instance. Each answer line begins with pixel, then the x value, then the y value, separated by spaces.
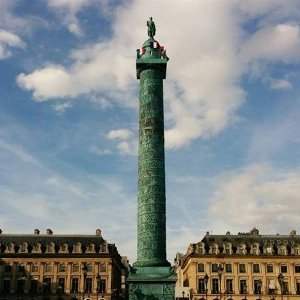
pixel 151 283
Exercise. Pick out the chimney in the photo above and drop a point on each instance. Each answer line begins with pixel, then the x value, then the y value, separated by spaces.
pixel 49 231
pixel 36 231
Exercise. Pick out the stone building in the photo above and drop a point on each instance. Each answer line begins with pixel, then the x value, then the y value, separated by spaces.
pixel 243 266
pixel 48 266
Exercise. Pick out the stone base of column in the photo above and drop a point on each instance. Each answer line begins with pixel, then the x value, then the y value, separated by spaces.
pixel 151 283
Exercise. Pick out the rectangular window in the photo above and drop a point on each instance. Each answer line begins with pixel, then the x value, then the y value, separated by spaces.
pixel 200 268
pixel 101 286
pixel 75 268
pixel 269 268
pixel 74 285
pixel 255 268
pixel 283 268
pixel 48 268
pixel 214 268
pixel 242 268
pixel 7 269
pixel 228 268
pixel 229 286
pixel 102 267
pixel 21 268
pixel 257 286
pixel 34 268
pixel 20 286
pixel 6 286
pixel 297 269
pixel 33 286
pixel 61 285
pixel 89 267
pixel 46 285
pixel 243 286
pixel 201 286
pixel 61 268
pixel 215 286
pixel 298 288
pixel 103 248
pixel 88 285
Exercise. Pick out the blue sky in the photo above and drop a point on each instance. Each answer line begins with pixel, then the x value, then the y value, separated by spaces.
pixel 68 118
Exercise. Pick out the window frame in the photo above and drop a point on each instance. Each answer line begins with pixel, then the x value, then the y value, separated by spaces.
pixel 244 270
pixel 226 269
pixel 202 269
pixel 254 270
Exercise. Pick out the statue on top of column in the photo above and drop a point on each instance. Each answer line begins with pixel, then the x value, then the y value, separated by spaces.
pixel 151 28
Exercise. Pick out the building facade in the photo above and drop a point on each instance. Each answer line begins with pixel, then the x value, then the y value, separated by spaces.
pixel 243 266
pixel 48 266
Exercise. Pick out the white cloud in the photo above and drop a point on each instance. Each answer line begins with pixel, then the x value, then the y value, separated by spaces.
pixel 119 134
pixel 18 152
pixel 62 107
pixel 280 84
pixel 275 43
pixel 9 40
pixel 203 89
pixel 68 10
pixel 126 141
pixel 257 196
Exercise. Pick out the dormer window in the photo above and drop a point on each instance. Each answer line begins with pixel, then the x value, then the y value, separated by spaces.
pixel 214 249
pixel 255 249
pixel 37 248
pixel 63 248
pixel 90 248
pixel 227 249
pixel 103 248
pixel 77 248
pixel 200 249
pixel 268 249
pixel 282 250
pixel 10 248
pixel 242 249
pixel 23 248
pixel 50 248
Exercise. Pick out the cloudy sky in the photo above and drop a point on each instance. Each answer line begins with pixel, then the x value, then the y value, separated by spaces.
pixel 68 117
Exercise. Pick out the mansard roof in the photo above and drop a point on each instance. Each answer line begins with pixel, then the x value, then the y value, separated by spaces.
pixel 266 244
pixel 12 244
pixel 249 238
pixel 45 239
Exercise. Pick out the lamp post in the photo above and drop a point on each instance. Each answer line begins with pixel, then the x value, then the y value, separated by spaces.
pixel 206 277
pixel 281 283
pixel 84 270
pixel 220 272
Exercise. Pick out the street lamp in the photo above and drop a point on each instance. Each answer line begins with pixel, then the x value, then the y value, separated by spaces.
pixel 281 283
pixel 220 272
pixel 206 277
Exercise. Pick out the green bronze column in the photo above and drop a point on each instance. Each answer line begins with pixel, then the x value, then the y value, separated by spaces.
pixel 152 276
pixel 151 70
